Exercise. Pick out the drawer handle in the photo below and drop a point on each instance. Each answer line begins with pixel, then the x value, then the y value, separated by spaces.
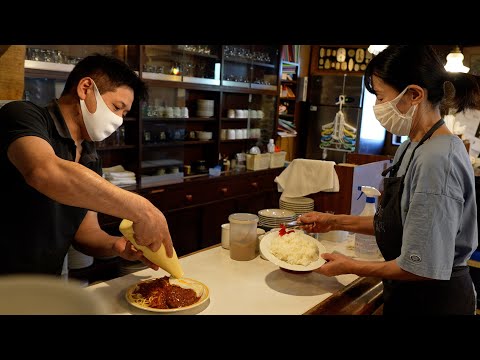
pixel 224 190
pixel 255 184
pixel 189 197
pixel 157 191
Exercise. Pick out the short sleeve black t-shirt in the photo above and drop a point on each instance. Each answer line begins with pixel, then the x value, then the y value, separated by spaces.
pixel 36 230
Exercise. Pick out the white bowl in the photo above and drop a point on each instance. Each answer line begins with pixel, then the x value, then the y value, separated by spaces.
pixel 204 135
pixel 46 295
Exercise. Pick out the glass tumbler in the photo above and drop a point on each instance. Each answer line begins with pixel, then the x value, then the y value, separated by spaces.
pixel 243 236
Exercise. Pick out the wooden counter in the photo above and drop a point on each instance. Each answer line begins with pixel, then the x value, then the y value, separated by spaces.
pixel 255 287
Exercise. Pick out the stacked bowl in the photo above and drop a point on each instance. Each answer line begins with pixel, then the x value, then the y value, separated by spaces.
pixel 272 218
pixel 205 108
pixel 299 205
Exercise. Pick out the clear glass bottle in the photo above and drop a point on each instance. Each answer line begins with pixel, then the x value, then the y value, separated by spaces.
pixel 271 146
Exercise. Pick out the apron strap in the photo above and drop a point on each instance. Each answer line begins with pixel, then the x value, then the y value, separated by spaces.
pixel 425 138
pixel 394 168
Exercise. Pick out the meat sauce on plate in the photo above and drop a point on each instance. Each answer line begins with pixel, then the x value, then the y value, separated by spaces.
pixel 164 295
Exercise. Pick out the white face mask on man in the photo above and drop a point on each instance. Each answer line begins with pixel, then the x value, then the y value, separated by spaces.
pixel 392 119
pixel 103 122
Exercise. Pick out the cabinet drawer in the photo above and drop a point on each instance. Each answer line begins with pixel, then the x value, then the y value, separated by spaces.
pixel 158 197
pixel 263 183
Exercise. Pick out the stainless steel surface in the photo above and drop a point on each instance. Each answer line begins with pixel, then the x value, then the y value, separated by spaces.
pixel 293 224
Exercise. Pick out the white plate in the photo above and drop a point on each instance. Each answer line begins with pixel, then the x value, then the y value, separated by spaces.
pixel 276 213
pixel 297 200
pixel 204 297
pixel 265 251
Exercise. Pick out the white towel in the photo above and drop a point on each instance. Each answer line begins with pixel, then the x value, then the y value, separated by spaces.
pixel 306 176
pixel 120 174
pixel 114 168
pixel 125 181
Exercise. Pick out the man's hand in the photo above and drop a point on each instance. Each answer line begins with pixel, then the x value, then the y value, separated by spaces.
pixel 126 250
pixel 152 231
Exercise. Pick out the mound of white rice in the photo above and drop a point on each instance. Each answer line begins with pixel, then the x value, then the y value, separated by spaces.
pixel 295 248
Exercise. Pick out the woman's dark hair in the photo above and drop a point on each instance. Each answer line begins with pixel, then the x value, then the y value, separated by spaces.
pixel 109 73
pixel 403 65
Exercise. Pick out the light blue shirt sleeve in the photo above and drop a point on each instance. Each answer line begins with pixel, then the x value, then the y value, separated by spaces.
pixel 438 207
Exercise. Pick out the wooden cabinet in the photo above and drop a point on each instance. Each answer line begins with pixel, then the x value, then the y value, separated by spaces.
pixel 194 89
pixel 289 107
pixel 196 208
pixel 191 90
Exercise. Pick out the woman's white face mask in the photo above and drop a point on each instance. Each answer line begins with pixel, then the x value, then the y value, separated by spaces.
pixel 103 122
pixel 392 119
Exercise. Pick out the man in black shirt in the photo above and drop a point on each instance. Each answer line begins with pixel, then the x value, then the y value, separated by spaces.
pixel 52 186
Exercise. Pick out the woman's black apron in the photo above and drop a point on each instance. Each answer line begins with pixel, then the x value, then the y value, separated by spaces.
pixel 454 296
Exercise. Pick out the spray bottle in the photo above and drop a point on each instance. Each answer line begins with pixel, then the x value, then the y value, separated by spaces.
pixel 365 245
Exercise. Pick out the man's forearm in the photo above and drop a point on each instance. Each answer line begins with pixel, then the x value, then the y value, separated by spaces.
pixel 75 185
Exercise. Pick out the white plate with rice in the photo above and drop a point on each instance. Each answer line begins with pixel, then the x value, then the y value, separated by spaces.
pixel 295 251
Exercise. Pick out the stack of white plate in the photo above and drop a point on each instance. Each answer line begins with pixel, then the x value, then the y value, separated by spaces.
pixel 205 108
pixel 272 218
pixel 299 205
pixel 128 267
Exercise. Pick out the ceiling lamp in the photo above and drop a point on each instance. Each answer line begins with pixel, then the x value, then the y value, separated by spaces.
pixel 375 49
pixel 455 61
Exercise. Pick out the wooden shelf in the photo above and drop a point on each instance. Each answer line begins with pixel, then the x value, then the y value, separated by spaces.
pixel 237 140
pixel 238 119
pixel 168 55
pixel 181 90
pixel 247 61
pixel 189 119
pixel 48 66
pixel 233 89
pixel 179 143
pixel 116 147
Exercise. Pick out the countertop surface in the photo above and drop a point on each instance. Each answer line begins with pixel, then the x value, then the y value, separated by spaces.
pixel 255 287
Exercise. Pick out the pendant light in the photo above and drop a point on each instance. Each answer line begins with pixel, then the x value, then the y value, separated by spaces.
pixel 455 61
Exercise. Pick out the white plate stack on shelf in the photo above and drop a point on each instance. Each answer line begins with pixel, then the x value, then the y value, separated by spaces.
pixel 299 205
pixel 272 218
pixel 205 108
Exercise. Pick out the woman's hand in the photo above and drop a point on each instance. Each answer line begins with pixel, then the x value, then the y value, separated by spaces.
pixel 126 250
pixel 337 264
pixel 317 222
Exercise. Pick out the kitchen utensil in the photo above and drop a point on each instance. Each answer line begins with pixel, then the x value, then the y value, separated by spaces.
pixel 293 224
pixel 159 257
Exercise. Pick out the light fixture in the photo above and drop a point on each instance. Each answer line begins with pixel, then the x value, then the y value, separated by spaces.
pixel 455 61
pixel 375 49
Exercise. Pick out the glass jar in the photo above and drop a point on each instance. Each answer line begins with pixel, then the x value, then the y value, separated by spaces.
pixel 243 236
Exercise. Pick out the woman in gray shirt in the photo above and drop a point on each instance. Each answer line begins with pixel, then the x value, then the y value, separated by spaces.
pixel 426 222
